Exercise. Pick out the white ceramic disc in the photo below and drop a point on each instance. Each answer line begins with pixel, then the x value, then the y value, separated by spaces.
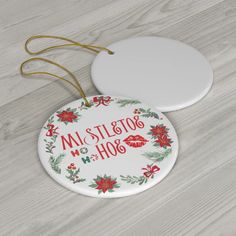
pixel 164 73
pixel 115 148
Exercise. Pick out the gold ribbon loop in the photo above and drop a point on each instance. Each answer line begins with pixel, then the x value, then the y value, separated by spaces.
pixel 93 48
pixel 76 84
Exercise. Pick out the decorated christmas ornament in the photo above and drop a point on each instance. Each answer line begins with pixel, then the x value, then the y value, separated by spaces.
pixel 105 146
pixel 165 73
pixel 114 148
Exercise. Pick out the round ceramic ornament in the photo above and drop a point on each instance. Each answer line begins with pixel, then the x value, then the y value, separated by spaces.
pixel 114 148
pixel 164 73
pixel 103 146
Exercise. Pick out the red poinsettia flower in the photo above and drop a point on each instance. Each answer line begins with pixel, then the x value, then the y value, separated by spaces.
pixel 158 130
pixel 67 116
pixel 105 183
pixel 164 141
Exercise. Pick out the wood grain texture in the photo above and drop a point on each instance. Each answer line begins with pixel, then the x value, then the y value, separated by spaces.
pixel 197 198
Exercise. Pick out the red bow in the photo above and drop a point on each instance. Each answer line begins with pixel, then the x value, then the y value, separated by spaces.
pixel 51 130
pixel 102 100
pixel 150 170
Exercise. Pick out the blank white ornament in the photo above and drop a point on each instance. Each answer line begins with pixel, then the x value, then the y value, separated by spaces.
pixel 164 73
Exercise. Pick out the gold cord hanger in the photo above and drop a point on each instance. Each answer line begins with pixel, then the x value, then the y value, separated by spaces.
pixel 76 84
pixel 93 48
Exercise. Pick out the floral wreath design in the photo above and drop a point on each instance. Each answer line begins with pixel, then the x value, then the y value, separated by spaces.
pixel 103 184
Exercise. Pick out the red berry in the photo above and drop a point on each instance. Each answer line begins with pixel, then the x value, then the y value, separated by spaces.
pixel 73 167
pixel 72 164
pixel 69 167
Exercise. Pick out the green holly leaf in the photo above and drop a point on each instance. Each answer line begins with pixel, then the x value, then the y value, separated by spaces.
pixel 93 185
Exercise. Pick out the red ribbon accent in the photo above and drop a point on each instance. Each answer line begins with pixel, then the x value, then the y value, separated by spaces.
pixel 102 100
pixel 51 130
pixel 150 170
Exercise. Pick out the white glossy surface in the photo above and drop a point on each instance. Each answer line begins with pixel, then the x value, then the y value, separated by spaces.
pixel 102 130
pixel 162 72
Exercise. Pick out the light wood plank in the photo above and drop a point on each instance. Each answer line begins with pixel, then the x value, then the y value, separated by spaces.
pixel 199 195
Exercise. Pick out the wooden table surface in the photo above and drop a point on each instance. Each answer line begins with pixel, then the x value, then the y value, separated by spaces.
pixel 197 198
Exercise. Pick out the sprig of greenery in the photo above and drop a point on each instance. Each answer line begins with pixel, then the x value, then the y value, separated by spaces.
pixel 55 162
pixel 125 102
pixel 134 179
pixel 50 144
pixel 148 113
pixel 157 156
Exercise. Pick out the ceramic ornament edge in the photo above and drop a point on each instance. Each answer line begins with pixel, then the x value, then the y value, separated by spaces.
pixel 99 75
pixel 93 193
